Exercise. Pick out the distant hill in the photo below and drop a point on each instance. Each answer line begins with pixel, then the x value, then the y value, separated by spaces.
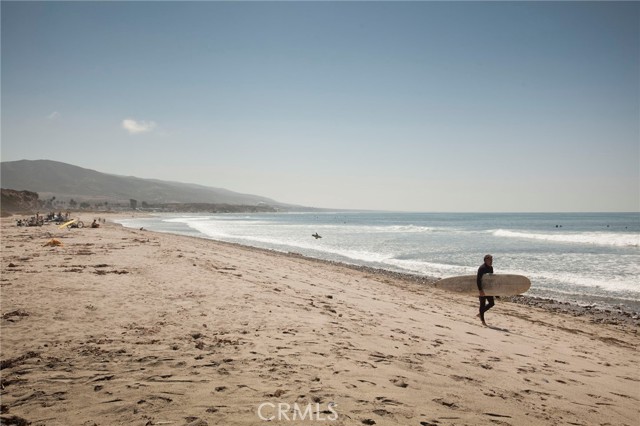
pixel 65 181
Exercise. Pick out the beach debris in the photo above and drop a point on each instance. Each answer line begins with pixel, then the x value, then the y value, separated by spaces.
pixel 115 271
pixel 53 243
pixel 76 224
pixel 12 362
pixel 195 421
pixel 451 405
pixel 399 382
pixel 279 392
pixel 67 224
pixel 15 420
pixel 16 313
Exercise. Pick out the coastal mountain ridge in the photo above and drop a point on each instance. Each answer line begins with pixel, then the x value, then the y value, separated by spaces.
pixel 65 181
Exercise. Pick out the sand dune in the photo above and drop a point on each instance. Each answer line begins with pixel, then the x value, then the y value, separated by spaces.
pixel 120 326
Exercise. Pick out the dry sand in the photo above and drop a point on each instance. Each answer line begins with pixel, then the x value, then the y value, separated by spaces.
pixel 121 326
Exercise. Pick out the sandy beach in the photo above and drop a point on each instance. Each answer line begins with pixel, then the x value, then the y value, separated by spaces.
pixel 125 326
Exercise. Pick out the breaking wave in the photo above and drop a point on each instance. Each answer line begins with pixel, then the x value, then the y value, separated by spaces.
pixel 597 238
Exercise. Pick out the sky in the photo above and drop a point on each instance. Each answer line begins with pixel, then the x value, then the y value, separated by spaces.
pixel 405 106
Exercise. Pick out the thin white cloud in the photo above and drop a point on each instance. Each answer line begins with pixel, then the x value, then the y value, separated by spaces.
pixel 134 127
pixel 53 115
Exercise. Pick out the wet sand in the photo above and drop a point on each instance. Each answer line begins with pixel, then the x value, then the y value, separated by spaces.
pixel 122 326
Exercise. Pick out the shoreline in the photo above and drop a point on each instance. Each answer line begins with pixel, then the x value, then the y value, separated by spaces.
pixel 127 326
pixel 596 314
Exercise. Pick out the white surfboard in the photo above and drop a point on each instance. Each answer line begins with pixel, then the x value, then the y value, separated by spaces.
pixel 492 284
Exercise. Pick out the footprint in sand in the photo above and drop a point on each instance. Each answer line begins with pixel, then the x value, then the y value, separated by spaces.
pixel 387 401
pixel 380 357
pixel 18 314
pixel 463 379
pixel 437 342
pixel 448 404
pixel 443 326
pixel 399 381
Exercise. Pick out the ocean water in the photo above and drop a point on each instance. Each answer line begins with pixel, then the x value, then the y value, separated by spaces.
pixel 584 258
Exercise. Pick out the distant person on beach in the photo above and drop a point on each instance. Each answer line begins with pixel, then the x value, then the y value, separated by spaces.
pixel 486 302
pixel 95 224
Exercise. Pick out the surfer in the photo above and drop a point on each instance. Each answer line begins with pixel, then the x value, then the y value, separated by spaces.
pixel 316 236
pixel 486 302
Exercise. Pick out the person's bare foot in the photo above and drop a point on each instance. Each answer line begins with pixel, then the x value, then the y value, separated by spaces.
pixel 483 323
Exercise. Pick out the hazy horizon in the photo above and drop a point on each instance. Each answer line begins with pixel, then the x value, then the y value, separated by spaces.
pixel 387 106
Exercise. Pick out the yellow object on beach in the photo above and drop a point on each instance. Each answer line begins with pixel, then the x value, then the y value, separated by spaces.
pixel 67 223
pixel 53 243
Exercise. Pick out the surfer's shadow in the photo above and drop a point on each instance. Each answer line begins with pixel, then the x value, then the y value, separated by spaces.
pixel 506 331
pixel 492 327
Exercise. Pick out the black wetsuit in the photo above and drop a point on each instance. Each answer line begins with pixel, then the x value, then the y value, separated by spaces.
pixel 486 302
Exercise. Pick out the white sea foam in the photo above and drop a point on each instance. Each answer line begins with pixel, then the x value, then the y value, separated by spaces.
pixel 285 241
pixel 187 219
pixel 431 269
pixel 582 283
pixel 363 229
pixel 407 228
pixel 597 238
